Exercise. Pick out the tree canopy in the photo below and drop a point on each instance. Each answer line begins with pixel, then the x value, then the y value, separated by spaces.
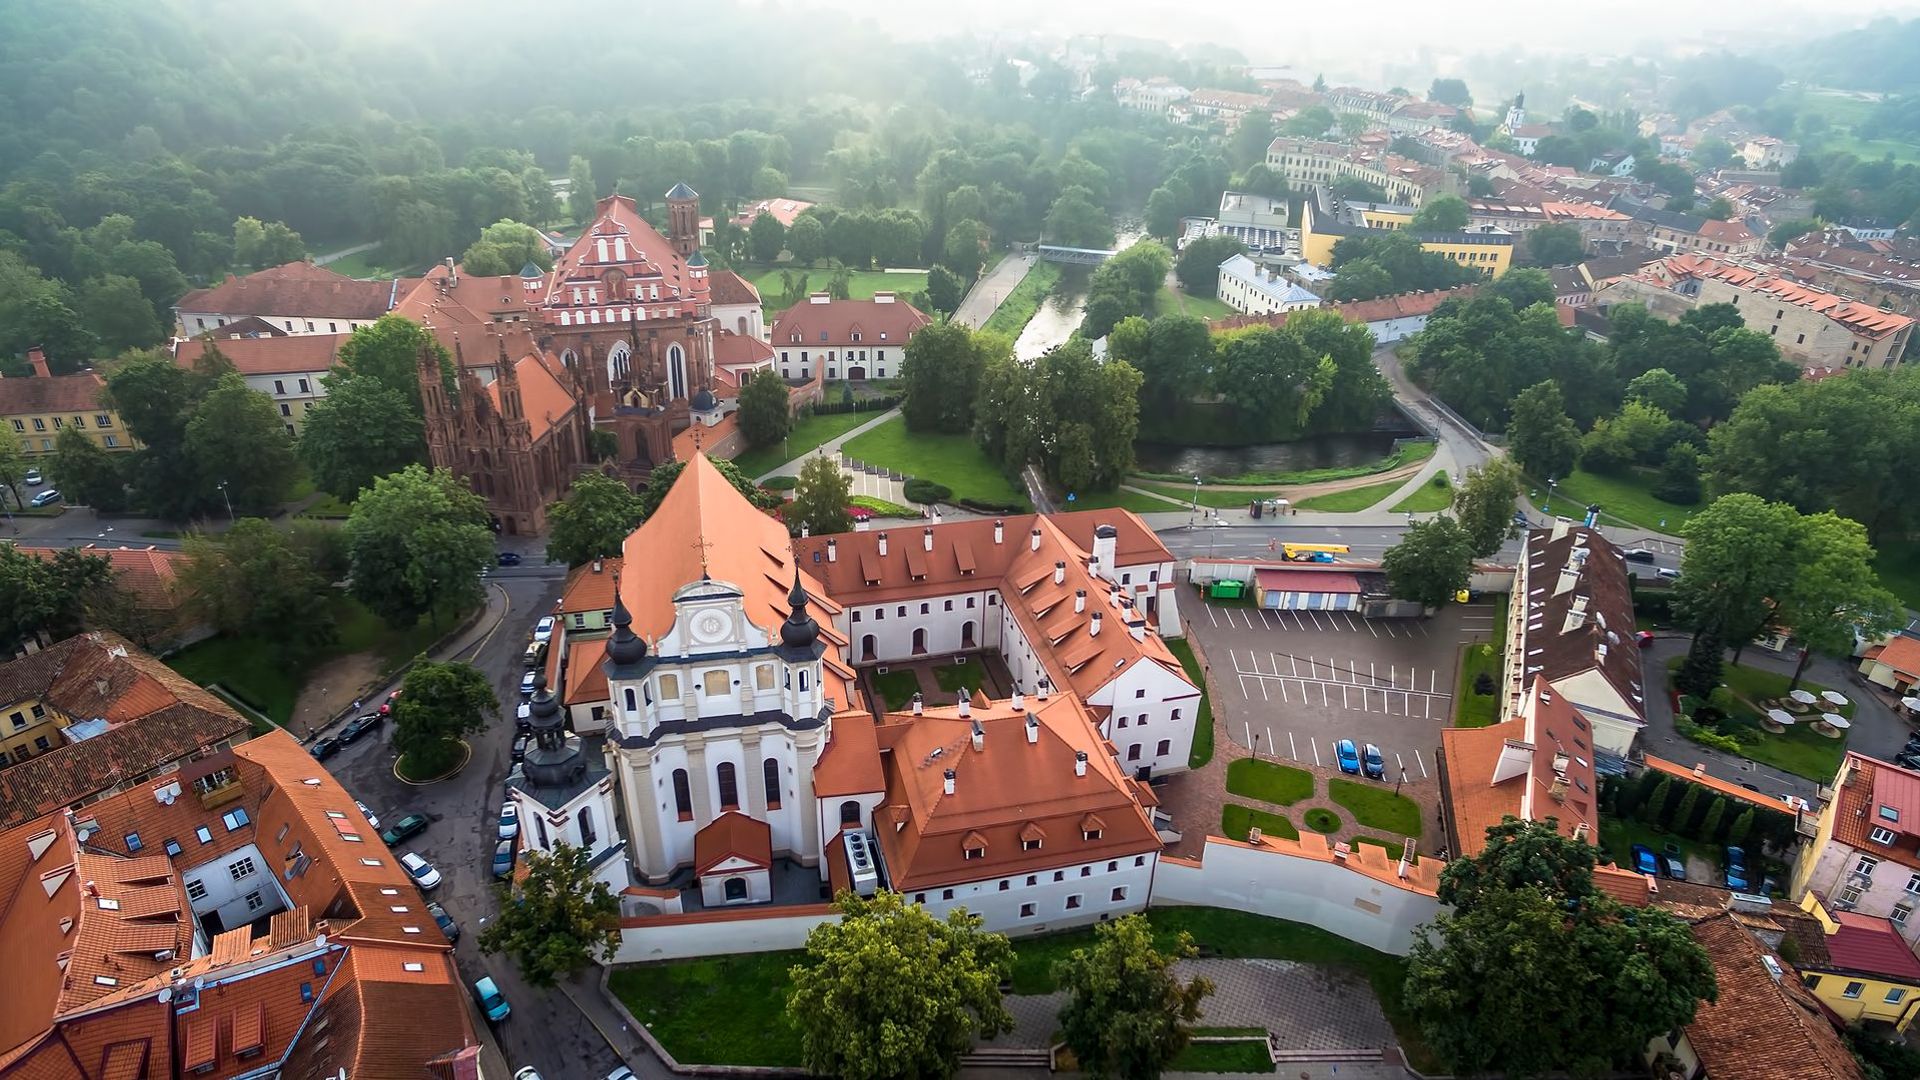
pixel 362 430
pixel 764 417
pixel 1431 563
pixel 418 541
pixel 439 702
pixel 253 581
pixel 593 521
pixel 1127 1014
pixel 556 919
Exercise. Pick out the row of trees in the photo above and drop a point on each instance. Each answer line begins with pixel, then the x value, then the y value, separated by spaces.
pixel 1369 266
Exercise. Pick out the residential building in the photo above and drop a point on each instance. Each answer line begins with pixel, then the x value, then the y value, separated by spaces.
pixel 1601 228
pixel 1535 766
pixel 845 339
pixel 1612 163
pixel 93 715
pixel 149 578
pixel 297 298
pixel 1387 318
pixel 784 210
pixel 1307 162
pixel 1768 153
pixel 1225 106
pixel 1156 95
pixel 1415 117
pixel 1571 623
pixel 1894 664
pixel 1325 221
pixel 1813 327
pixel 1871 272
pixel 1252 289
pixel 1252 218
pixel 39 406
pixel 1868 974
pixel 1864 855
pixel 1677 233
pixel 290 369
pixel 1375 106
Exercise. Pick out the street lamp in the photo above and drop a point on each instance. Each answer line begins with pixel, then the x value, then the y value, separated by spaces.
pixel 229 501
pixel 1547 507
pixel 1195 509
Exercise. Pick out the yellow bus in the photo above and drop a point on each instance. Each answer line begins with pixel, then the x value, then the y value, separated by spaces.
pixel 1312 552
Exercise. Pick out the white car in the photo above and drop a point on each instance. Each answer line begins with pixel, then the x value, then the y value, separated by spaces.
pixel 527 1072
pixel 34 479
pixel 621 1073
pixel 371 820
pixel 509 820
pixel 543 630
pixel 421 871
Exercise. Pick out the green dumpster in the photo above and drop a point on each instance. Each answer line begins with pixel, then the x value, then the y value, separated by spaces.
pixel 1227 590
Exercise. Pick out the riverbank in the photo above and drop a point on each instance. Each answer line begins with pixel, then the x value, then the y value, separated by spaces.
pixel 1020 305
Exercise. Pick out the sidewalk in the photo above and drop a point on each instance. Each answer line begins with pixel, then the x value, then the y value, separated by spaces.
pixel 831 446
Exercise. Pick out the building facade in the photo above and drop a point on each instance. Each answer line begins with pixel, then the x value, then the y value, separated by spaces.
pixel 856 340
pixel 1252 289
pixel 297 298
pixel 38 407
pixel 1864 856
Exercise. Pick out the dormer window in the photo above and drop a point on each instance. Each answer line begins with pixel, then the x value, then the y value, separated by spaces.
pixel 1090 834
pixel 1883 837
pixel 856 335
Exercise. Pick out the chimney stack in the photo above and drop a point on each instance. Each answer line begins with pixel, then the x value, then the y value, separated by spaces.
pixel 919 703
pixel 926 538
pixel 1046 687
pixel 966 707
pixel 1079 763
pixel 1138 630
pixel 37 360
pixel 979 736
pixel 883 545
pixel 999 531
pixel 1033 731
pixel 1079 601
pixel 946 783
pixel 1059 573
pixel 1034 542
pixel 804 531
pixel 1560 527
pixel 1093 625
pixel 453 273
pixel 1019 701
pixel 833 550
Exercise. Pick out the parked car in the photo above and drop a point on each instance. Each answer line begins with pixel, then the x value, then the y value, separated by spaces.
pixel 1909 760
pixel 359 726
pixel 503 854
pixel 535 655
pixel 371 820
pixel 34 479
pixel 421 871
pixel 1640 555
pixel 322 749
pixel 1667 572
pixel 1736 869
pixel 526 683
pixel 494 1004
pixel 405 829
pixel 444 921
pixel 1644 861
pixel 520 748
pixel 527 1072
pixel 523 719
pixel 543 630
pixel 1769 885
pixel 1673 863
pixel 1795 802
pixel 507 558
pixel 1373 763
pixel 47 497
pixel 509 820
pixel 1644 639
pixel 1348 757
pixel 620 1073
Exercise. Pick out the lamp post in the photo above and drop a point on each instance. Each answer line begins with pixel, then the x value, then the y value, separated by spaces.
pixel 1547 507
pixel 1194 511
pixel 229 501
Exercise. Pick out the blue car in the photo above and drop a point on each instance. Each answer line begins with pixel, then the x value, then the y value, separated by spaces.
pixel 492 1002
pixel 503 859
pixel 1736 869
pixel 1348 756
pixel 1644 861
pixel 1376 766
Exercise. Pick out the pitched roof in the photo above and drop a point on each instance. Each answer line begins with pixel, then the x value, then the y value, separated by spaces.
pixel 877 321
pixel 1699 775
pixel 1762 1027
pixel 286 355
pixel 732 835
pixel 1579 621
pixel 589 587
pixel 149 574
pixel 297 288
pixel 728 288
pixel 1901 653
pixel 1871 945
pixel 79 393
pixel 544 396
pixel 1865 785
pixel 1536 766
pixel 1854 316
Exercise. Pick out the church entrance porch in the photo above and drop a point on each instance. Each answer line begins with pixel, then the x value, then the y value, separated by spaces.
pixel 786 881
pixel 938 679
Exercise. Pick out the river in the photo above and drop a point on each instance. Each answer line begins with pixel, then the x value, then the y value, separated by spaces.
pixel 1319 452
pixel 1060 313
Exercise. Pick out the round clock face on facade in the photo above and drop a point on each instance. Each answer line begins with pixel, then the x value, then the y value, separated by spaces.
pixel 710 626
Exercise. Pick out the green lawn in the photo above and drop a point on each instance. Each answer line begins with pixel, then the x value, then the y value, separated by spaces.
pixel 952 460
pixel 1376 807
pixel 1471 709
pixel 808 433
pixel 1322 820
pixel 1124 500
pixel 1799 749
pixel 1243 1056
pixel 1018 307
pixel 1346 502
pixel 1429 497
pixel 884 508
pixel 897 688
pixel 1282 785
pixel 1202 751
pixel 1898 564
pixel 954 678
pixel 1171 301
pixel 1626 500
pixel 370 263
pixel 719 1010
pixel 1236 819
pixel 864 284
pixel 1217 497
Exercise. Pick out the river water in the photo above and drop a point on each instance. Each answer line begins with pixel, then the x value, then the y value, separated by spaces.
pixel 1060 314
pixel 1320 452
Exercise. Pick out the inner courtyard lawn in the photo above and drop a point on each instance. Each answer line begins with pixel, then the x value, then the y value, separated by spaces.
pixel 952 460
pixel 808 433
pixel 1282 785
pixel 1376 807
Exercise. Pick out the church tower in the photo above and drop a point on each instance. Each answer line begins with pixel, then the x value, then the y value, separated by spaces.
pixel 441 420
pixel 683 219
pixel 1516 114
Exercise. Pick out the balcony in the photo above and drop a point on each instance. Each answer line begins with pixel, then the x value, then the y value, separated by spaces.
pixel 215 798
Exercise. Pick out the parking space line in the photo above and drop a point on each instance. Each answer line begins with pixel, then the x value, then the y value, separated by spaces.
pixel 1295 661
pixel 1346 702
pixel 1263 691
pixel 1243 688
pixel 1422 762
pixel 1315 744
pixel 1350 623
pixel 1400 762
pixel 1283 691
pixel 1210 616
pixel 1425 703
pixel 1423 629
pixel 1324 700
pixel 1292 750
pixel 1263 619
pixel 1433 680
pixel 1370 628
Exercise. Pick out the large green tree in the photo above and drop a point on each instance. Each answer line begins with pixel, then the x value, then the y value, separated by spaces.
pixel 1554 245
pixel 888 992
pixel 1488 980
pixel 117 313
pixel 13 463
pixel 87 474
pixel 1127 1014
pixel 238 445
pixel 506 247
pixel 821 497
pixel 1076 220
pixel 1484 504
pixel 47 596
pixel 766 237
pixel 764 418
pixel 388 349
pixel 1540 435
pixel 252 581
pixel 1198 266
pixel 593 521
pixel 940 376
pixel 418 541
pixel 440 702
pixel 1431 563
pixel 557 919
pixel 362 430
pixel 1441 214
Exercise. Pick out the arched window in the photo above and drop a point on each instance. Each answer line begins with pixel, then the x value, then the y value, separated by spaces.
pixel 619 361
pixel 850 812
pixel 729 787
pixel 770 772
pixel 676 372
pixel 631 706
pixel 682 795
pixel 803 678
pixel 586 827
pixel 735 888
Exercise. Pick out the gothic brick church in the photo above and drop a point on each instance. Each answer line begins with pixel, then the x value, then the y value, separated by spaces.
pixel 621 338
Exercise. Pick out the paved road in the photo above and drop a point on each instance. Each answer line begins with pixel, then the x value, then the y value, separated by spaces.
pixel 984 298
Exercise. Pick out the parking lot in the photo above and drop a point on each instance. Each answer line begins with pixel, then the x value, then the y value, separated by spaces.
pixel 1291 684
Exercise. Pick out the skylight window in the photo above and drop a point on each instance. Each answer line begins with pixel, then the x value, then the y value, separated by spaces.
pixel 1889 813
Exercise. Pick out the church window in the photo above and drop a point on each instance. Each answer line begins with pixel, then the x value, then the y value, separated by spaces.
pixel 669 687
pixel 632 706
pixel 763 677
pixel 682 796
pixel 850 812
pixel 803 678
pixel 729 787
pixel 587 835
pixel 715 683
pixel 770 774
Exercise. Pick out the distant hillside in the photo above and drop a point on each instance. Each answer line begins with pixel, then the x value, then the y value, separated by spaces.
pixel 1877 57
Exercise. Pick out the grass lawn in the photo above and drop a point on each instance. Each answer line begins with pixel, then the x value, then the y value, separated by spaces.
pixel 1472 709
pixel 1018 307
pixel 1898 564
pixel 807 435
pixel 1623 499
pixel 1376 807
pixel 328 508
pixel 1244 1056
pixel 1202 751
pixel 952 460
pixel 897 688
pixel 370 263
pixel 1124 500
pixel 1322 820
pixel 1346 502
pixel 1174 301
pixel 1282 785
pixel 1799 749
pixel 722 1010
pixel 864 284
pixel 1217 497
pixel 1236 819
pixel 1429 497
pixel 884 508
pixel 954 678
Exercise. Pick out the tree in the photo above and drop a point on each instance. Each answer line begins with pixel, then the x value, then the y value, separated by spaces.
pixel 1076 220
pixel 1540 436
pixel 1127 1014
pixel 940 376
pixel 1442 214
pixel 1710 824
pixel 1481 980
pixel 1659 388
pixel 1431 563
pixel 439 702
pixel 238 444
pixel 1699 673
pixel 593 521
pixel 506 247
pixel 1483 503
pixel 1744 555
pixel 764 418
pixel 582 196
pixel 417 541
pixel 1450 92
pixel 1741 829
pixel 1655 811
pixel 86 473
pixel 47 596
pixel 13 463
pixel 1712 153
pixel 1787 231
pixel 965 248
pixel 766 237
pixel 362 430
pixel 1836 599
pixel 388 349
pixel 1198 267
pixel 821 497
pixel 1689 805
pixel 118 313
pixel 888 991
pixel 1554 245
pixel 1720 209
pixel 807 240
pixel 251 581
pixel 1679 478
pixel 945 290
pixel 556 919
pixel 1523 287
pixel 261 244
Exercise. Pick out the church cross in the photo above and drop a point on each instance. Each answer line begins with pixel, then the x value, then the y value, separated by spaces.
pixel 703 544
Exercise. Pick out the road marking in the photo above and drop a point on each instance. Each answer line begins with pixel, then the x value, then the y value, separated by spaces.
pixel 1293 660
pixel 1263 619
pixel 1263 691
pixel 1210 616
pixel 1422 763
pixel 1433 680
pixel 1324 701
pixel 1350 623
pixel 1315 744
pixel 1283 691
pixel 1292 750
pixel 1371 630
pixel 1346 702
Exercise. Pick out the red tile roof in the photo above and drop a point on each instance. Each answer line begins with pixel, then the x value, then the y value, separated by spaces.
pixel 1762 1027
pixel 1856 811
pixel 728 288
pixel 149 574
pixel 1533 767
pixel 544 396
pixel 1870 945
pixel 24 395
pixel 293 354
pixel 878 322
pixel 297 288
pixel 1902 654
pixel 1854 316
pixel 732 835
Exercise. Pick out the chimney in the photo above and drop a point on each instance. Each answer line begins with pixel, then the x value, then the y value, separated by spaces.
pixel 1046 687
pixel 453 273
pixel 804 531
pixel 979 736
pixel 946 783
pixel 1560 527
pixel 1576 615
pixel 1059 573
pixel 1138 630
pixel 966 707
pixel 37 359
pixel 1700 770
pixel 1093 625
pixel 1018 702
pixel 999 531
pixel 1079 601
pixel 1034 543
pixel 1079 763
pixel 1567 580
pixel 883 545
pixel 819 298
pixel 1106 540
pixel 926 538
pixel 598 566
pixel 1600 653
pixel 1033 731
pixel 833 550
pixel 919 703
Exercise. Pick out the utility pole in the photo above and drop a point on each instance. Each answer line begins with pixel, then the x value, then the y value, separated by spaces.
pixel 229 501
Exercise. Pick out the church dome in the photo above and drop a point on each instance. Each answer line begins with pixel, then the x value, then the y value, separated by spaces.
pixel 532 271
pixel 703 400
pixel 625 647
pixel 799 631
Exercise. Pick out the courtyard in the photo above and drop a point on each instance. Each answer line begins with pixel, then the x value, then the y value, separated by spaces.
pixel 939 680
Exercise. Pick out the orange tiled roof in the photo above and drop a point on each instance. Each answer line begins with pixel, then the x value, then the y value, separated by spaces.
pixel 881 324
pixel 20 395
pixel 589 587
pixel 148 573
pixel 1856 317
pixel 1865 783
pixel 1761 1028
pixel 728 288
pixel 586 675
pixel 850 764
pixel 1902 654
pixel 297 288
pixel 1507 770
pixel 1699 775
pixel 544 398
pixel 732 835
pixel 288 354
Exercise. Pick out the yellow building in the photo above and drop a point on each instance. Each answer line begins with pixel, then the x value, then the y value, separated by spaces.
pixel 1869 972
pixel 1487 249
pixel 39 407
pixel 28 727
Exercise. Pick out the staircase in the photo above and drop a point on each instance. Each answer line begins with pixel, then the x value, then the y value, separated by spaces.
pixel 1008 1057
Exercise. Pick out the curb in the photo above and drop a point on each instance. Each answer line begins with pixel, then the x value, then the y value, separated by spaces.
pixel 448 775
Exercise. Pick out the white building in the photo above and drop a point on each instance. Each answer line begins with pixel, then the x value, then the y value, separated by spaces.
pixel 1252 289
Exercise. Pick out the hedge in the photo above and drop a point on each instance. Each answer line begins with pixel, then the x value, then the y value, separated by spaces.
pixel 873 404
pixel 985 507
pixel 780 483
pixel 927 491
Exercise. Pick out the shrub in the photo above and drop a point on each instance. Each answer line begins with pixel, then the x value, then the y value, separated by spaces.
pixel 1705 737
pixel 780 483
pixel 1483 684
pixel 985 507
pixel 927 491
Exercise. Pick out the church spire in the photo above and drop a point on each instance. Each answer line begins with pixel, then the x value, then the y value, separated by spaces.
pixel 799 631
pixel 625 647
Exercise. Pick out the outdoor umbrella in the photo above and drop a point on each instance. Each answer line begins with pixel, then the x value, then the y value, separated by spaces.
pixel 1834 719
pixel 1780 716
pixel 1834 696
pixel 1804 697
